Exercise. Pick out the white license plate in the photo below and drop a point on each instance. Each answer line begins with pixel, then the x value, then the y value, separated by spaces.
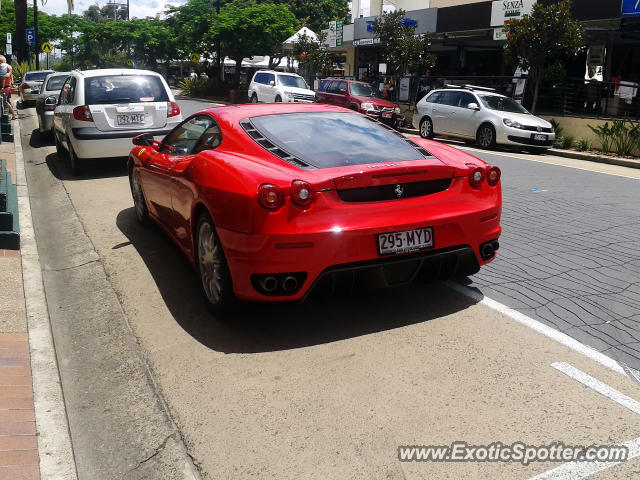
pixel 406 241
pixel 130 118
pixel 387 114
pixel 537 136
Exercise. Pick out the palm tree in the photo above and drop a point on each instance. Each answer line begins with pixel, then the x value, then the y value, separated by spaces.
pixel 69 6
pixel 21 24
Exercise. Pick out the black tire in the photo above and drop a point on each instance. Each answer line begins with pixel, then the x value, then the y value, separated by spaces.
pixel 254 98
pixel 75 163
pixel 62 153
pixel 353 107
pixel 486 136
pixel 278 99
pixel 426 128
pixel 215 277
pixel 139 202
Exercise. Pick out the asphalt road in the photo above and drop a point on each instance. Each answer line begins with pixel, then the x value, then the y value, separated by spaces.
pixel 155 384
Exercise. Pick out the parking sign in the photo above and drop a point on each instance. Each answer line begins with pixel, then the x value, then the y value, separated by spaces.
pixel 31 36
pixel 630 8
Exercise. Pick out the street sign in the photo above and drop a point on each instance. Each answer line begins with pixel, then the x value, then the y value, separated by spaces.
pixel 9 37
pixel 9 49
pixel 31 36
pixel 195 58
pixel 630 8
pixel 130 62
pixel 335 33
pixel 47 47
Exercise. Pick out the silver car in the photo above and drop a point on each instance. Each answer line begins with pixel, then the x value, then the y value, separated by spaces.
pixel 48 99
pixel 481 115
pixel 30 86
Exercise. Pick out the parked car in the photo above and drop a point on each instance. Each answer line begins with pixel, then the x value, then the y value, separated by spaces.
pixel 272 86
pixel 48 99
pixel 99 111
pixel 269 202
pixel 358 96
pixel 30 86
pixel 479 114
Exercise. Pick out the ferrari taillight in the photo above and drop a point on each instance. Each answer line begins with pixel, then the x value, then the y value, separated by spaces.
pixel 475 177
pixel 302 193
pixel 172 109
pixel 493 176
pixel 270 197
pixel 83 113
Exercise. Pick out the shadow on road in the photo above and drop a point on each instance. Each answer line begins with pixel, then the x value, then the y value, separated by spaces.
pixel 92 168
pixel 253 328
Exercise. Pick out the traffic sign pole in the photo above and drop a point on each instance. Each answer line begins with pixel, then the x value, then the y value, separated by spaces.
pixel 35 28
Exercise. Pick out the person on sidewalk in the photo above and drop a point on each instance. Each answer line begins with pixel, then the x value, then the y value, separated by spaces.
pixel 6 79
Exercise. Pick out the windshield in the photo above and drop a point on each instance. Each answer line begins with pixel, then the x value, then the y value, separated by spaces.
pixel 334 139
pixel 502 104
pixel 363 90
pixel 124 89
pixel 36 76
pixel 291 81
pixel 56 82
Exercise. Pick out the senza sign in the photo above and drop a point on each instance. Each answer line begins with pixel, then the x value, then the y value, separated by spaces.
pixel 630 8
pixel 503 11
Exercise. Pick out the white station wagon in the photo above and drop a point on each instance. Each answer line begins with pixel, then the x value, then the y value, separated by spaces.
pixel 100 111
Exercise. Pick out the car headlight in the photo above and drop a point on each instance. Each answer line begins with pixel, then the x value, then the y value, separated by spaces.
pixel 288 94
pixel 397 110
pixel 511 123
pixel 367 106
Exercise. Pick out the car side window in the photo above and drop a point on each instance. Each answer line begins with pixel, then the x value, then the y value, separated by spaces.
pixel 323 85
pixel 333 87
pixel 71 93
pixel 269 77
pixel 450 98
pixel 63 92
pixel 342 86
pixel 434 97
pixel 260 78
pixel 465 99
pixel 184 139
pixel 210 139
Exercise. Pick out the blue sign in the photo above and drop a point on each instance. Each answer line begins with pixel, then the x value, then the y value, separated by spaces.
pixel 31 36
pixel 630 8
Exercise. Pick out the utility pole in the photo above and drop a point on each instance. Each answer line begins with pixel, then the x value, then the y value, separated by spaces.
pixel 35 29
pixel 20 40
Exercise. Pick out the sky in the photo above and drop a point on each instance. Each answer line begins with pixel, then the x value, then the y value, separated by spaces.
pixel 139 8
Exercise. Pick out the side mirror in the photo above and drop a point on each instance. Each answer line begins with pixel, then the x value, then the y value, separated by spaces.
pixel 272 82
pixel 473 106
pixel 51 101
pixel 145 140
pixel 343 91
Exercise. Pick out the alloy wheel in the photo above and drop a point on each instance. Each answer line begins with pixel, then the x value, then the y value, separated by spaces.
pixel 210 263
pixel 486 137
pixel 426 129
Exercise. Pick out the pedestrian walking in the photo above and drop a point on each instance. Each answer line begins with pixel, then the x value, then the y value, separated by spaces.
pixel 6 76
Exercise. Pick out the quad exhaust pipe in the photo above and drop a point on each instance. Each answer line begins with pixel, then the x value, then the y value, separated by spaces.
pixel 269 284
pixel 489 249
pixel 289 284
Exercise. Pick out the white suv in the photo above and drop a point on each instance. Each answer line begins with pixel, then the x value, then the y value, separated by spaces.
pixel 272 86
pixel 100 111
pixel 479 114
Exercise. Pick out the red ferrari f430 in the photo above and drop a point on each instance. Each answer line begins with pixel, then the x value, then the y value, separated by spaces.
pixel 270 201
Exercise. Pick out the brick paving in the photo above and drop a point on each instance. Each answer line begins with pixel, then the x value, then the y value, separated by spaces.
pixel 18 441
pixel 570 254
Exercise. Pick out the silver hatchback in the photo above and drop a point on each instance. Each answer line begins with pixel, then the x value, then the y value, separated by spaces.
pixel 31 84
pixel 483 116
pixel 48 99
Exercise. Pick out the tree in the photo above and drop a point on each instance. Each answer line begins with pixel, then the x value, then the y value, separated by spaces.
pixel 543 41
pixel 244 30
pixel 401 48
pixel 317 14
pixel 313 55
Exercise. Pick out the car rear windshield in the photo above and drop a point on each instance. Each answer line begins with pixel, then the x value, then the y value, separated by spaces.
pixel 363 90
pixel 291 81
pixel 36 76
pixel 334 139
pixel 502 104
pixel 56 82
pixel 124 89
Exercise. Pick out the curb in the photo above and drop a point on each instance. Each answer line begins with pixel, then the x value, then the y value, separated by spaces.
pixel 54 439
pixel 589 157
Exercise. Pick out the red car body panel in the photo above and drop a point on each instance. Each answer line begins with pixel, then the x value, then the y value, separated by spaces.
pixel 224 182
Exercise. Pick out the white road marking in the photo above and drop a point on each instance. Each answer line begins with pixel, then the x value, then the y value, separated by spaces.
pixel 545 330
pixel 598 386
pixel 54 440
pixel 580 470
